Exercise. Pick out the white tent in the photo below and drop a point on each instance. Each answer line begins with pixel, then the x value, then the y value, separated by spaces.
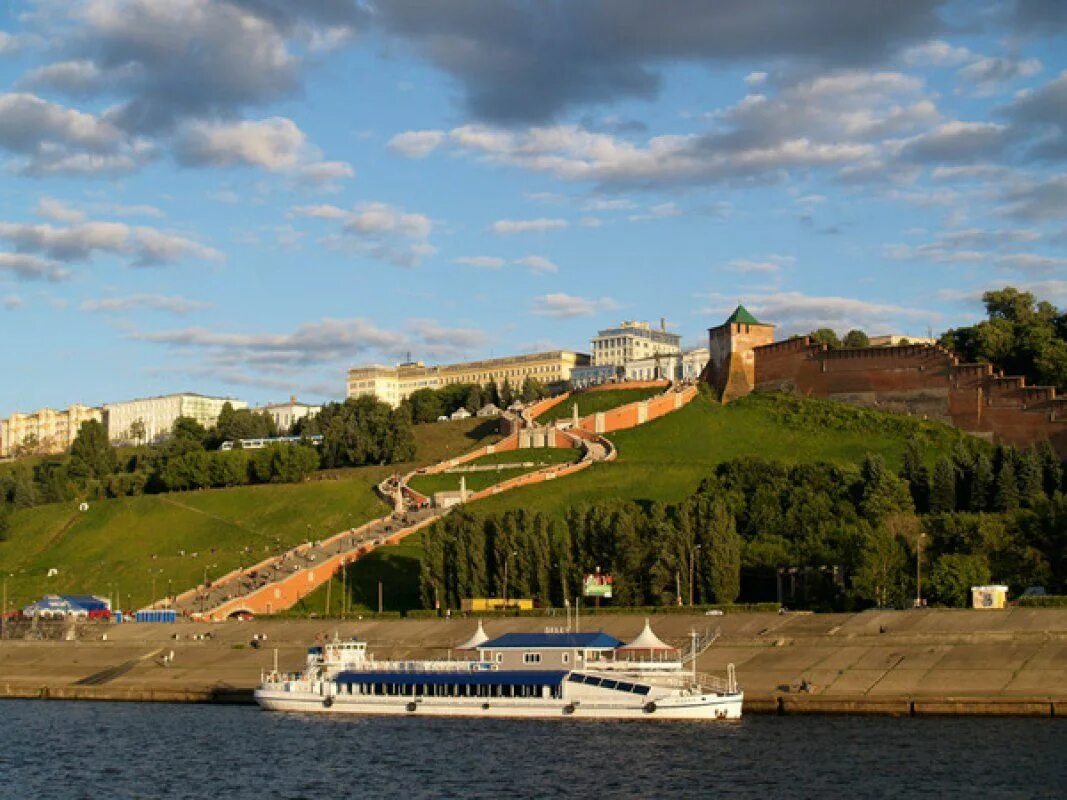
pixel 647 640
pixel 478 638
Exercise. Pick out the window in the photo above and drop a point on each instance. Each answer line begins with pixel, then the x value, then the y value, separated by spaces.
pixel 531 658
pixel 499 657
pixel 566 658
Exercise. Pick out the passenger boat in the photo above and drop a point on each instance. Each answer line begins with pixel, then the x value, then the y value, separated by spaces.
pixel 534 675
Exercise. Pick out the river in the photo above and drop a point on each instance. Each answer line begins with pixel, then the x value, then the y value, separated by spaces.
pixel 60 749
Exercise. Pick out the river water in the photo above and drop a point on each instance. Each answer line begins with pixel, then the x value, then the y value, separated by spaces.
pixel 116 750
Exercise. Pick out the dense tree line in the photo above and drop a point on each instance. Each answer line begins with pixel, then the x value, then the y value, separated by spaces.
pixel 839 537
pixel 355 433
pixel 1020 336
pixel 829 337
pixel 427 405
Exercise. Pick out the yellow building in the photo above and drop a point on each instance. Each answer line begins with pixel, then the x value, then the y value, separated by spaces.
pixel 45 431
pixel 393 384
pixel 476 604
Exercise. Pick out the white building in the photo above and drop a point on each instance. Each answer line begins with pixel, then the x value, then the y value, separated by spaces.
pixel 156 415
pixel 893 339
pixel 393 384
pixel 285 415
pixel 45 431
pixel 673 367
pixel 633 340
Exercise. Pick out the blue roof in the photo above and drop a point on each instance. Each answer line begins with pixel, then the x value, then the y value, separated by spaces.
pixel 86 601
pixel 514 677
pixel 594 641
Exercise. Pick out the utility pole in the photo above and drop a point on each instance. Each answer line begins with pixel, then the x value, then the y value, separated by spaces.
pixel 507 558
pixel 344 588
pixel 329 585
pixel 3 614
pixel 380 606
pixel 919 570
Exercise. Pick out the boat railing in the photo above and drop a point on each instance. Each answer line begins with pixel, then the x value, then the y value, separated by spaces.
pixel 422 667
pixel 703 680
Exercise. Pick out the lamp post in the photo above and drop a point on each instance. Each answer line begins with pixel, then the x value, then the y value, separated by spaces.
pixel 692 566
pixel 507 558
pixel 919 569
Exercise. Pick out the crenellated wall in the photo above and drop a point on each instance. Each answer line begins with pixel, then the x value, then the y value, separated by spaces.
pixel 924 380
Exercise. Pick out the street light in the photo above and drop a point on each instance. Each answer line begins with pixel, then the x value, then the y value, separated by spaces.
pixel 919 569
pixel 692 564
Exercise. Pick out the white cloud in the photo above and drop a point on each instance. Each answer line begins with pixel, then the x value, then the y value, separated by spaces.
pixel 560 305
pixel 483 262
pixel 24 266
pixel 1031 262
pixel 53 139
pixel 756 78
pixel 416 144
pixel 936 53
pixel 377 230
pixel 658 211
pixel 171 304
pixel 58 211
pixel 326 341
pixel 275 144
pixel 141 246
pixel 988 75
pixel 768 265
pixel 508 227
pixel 538 264
pixel 11 302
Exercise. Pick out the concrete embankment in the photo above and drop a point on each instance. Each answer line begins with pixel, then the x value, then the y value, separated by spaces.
pixel 897 663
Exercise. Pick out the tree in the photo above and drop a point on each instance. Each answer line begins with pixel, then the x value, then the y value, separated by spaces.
pixel 856 338
pixel 1006 490
pixel 188 430
pixel 5 519
pixel 533 390
pixel 882 492
pixel 882 573
pixel 475 400
pixel 826 336
pixel 915 473
pixel 507 394
pixel 954 574
pixel 943 487
pixel 425 405
pixel 91 454
pixel 138 431
pixel 981 484
pixel 724 554
pixel 1022 336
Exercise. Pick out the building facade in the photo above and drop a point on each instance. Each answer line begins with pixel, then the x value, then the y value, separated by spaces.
pixel 894 339
pixel 633 340
pixel 677 367
pixel 393 384
pixel 285 415
pixel 45 431
pixel 151 419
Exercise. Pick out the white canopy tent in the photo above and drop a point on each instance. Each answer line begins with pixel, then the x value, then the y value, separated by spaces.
pixel 477 639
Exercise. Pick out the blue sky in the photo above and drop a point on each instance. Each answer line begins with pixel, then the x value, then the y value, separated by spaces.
pixel 248 196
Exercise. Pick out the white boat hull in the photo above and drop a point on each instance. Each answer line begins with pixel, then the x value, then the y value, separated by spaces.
pixel 709 707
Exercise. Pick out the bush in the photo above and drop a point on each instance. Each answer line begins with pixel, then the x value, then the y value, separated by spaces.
pixel 1044 601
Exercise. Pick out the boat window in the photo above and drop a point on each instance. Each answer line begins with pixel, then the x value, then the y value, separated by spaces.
pixel 574 677
pixel 566 657
pixel 531 658
pixel 625 687
pixel 608 684
pixel 499 657
pixel 641 689
pixel 591 681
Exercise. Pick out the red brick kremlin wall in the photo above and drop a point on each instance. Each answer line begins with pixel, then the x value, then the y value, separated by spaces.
pixel 925 380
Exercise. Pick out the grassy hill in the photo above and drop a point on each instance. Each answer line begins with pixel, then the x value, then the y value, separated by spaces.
pixel 118 546
pixel 476 481
pixel 592 402
pixel 665 461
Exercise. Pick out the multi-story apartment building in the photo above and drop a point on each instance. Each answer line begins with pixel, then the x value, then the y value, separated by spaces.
pixel 151 419
pixel 285 415
pixel 393 384
pixel 45 431
pixel 633 340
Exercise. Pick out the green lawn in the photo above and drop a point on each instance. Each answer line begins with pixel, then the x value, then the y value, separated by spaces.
pixel 118 545
pixel 666 459
pixel 592 402
pixel 396 566
pixel 476 481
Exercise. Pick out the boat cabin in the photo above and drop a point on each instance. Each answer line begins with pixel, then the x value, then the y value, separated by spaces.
pixel 548 651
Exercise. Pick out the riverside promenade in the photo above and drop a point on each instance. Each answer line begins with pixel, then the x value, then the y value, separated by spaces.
pixel 901 663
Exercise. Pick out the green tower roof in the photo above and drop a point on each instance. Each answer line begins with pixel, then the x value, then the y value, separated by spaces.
pixel 741 315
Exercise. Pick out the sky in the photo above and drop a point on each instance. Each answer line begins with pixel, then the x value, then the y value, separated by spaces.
pixel 247 197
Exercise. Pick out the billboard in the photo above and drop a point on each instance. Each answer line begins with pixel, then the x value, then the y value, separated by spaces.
pixel 597 585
